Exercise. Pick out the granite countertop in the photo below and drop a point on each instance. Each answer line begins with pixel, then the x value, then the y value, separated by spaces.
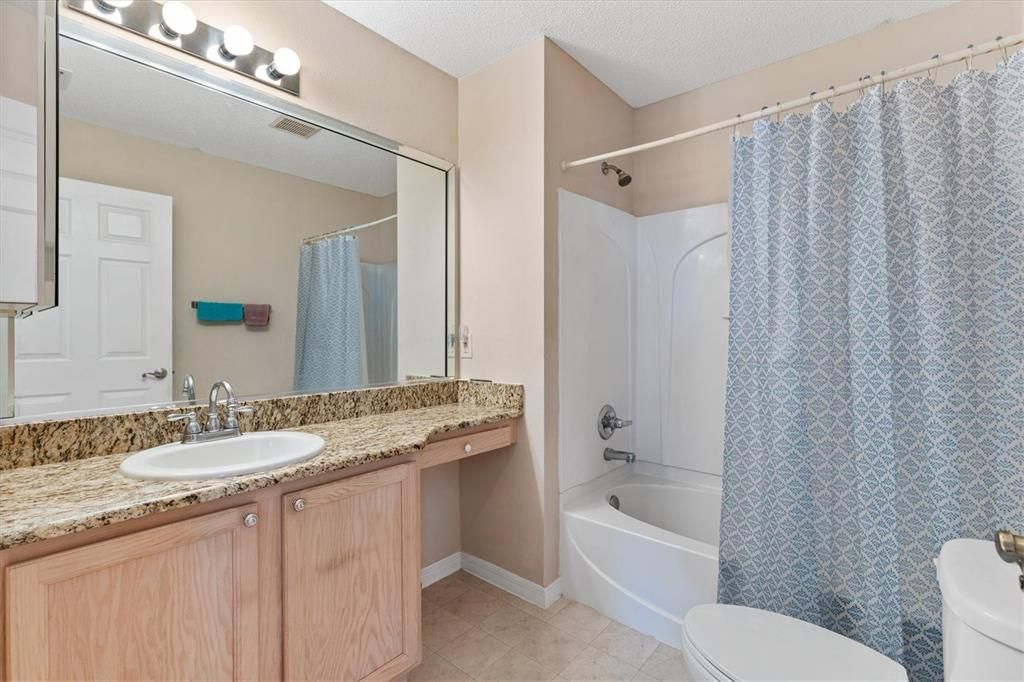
pixel 50 500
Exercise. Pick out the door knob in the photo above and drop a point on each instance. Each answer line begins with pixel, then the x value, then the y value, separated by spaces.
pixel 156 373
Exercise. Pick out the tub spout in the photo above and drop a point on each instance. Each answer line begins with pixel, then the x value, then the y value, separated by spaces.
pixel 611 454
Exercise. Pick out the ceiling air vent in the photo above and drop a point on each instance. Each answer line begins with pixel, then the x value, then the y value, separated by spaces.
pixel 295 127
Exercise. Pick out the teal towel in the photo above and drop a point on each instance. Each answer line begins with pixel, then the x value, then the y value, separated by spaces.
pixel 209 311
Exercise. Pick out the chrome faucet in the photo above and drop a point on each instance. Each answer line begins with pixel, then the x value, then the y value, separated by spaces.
pixel 613 455
pixel 608 422
pixel 212 418
pixel 188 388
pixel 194 433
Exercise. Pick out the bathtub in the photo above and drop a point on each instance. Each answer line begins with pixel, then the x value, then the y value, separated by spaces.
pixel 647 562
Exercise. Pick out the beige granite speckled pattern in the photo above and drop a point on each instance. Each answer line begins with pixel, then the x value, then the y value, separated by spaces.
pixel 487 394
pixel 51 500
pixel 48 441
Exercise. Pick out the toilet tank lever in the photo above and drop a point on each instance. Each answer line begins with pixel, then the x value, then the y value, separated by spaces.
pixel 1010 548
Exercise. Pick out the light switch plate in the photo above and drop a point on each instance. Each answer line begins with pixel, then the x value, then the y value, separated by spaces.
pixel 465 342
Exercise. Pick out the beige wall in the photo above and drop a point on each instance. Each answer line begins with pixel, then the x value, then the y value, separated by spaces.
pixel 19 36
pixel 501 233
pixel 696 172
pixel 237 230
pixel 348 71
pixel 517 119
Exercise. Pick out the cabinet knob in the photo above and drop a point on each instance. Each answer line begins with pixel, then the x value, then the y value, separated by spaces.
pixel 468 448
pixel 250 520
pixel 299 504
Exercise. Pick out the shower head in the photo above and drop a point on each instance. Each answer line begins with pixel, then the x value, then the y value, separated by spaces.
pixel 624 177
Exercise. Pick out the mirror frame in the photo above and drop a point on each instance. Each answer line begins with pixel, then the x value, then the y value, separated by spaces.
pixel 72 29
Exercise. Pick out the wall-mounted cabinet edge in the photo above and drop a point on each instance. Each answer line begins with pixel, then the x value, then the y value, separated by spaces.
pixel 29 75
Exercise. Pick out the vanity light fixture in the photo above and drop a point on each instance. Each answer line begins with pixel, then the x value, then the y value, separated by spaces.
pixel 286 63
pixel 174 24
pixel 111 5
pixel 237 42
pixel 177 19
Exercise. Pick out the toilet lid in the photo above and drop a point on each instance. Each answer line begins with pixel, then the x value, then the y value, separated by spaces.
pixel 751 644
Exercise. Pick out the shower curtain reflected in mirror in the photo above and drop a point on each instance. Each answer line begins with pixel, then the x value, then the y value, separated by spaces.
pixel 875 400
pixel 380 311
pixel 330 349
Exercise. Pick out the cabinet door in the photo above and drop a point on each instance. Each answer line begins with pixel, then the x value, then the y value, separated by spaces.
pixel 174 602
pixel 351 577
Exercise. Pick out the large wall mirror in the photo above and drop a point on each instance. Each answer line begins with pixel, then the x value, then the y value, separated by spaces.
pixel 205 236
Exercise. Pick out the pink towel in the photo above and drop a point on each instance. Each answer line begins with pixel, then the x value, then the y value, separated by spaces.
pixel 256 314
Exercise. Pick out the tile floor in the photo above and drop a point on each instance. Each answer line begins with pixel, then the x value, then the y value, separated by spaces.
pixel 475 631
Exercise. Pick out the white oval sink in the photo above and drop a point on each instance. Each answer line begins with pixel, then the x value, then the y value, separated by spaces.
pixel 245 454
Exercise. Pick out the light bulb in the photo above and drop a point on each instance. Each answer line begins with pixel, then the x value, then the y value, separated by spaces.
pixel 177 19
pixel 238 42
pixel 112 5
pixel 286 63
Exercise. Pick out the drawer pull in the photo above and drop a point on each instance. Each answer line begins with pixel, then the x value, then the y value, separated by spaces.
pixel 299 504
pixel 250 520
pixel 469 447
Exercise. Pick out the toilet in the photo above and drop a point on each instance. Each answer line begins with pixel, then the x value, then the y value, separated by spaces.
pixel 723 642
pixel 982 613
pixel 982 632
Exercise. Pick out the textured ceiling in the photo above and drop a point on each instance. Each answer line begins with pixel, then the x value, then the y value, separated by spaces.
pixel 112 92
pixel 643 50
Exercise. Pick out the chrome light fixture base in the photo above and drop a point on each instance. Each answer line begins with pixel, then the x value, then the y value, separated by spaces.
pixel 143 17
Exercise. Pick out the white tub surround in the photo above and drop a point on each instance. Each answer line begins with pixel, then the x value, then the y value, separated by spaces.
pixel 597 260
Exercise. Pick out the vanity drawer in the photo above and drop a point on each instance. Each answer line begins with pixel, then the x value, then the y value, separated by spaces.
pixel 468 445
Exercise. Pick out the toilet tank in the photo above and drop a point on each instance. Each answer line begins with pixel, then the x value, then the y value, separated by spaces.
pixel 982 613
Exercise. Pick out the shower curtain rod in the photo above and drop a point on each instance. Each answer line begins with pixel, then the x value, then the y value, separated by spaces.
pixel 971 51
pixel 345 230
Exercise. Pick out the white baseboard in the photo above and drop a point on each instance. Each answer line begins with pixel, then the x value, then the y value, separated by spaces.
pixel 512 583
pixel 440 569
pixel 493 574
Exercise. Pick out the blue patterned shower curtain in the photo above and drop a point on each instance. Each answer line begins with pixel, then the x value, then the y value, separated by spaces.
pixel 875 401
pixel 329 343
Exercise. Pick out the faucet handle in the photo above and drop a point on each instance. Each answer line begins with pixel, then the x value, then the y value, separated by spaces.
pixel 608 422
pixel 235 409
pixel 192 425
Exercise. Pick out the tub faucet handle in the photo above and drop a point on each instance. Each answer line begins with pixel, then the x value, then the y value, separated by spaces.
pixel 608 422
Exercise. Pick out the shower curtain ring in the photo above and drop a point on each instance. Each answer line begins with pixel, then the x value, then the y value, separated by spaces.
pixel 735 126
pixel 778 112
pixel 831 95
pixel 969 59
pixel 1002 48
pixel 882 80
pixel 938 63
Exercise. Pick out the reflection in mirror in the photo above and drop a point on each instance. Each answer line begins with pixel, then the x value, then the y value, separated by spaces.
pixel 205 237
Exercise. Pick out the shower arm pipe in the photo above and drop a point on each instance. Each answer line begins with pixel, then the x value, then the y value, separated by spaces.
pixel 968 53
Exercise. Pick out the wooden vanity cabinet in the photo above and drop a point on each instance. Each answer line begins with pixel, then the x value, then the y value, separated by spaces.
pixel 351 577
pixel 175 602
pixel 315 579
